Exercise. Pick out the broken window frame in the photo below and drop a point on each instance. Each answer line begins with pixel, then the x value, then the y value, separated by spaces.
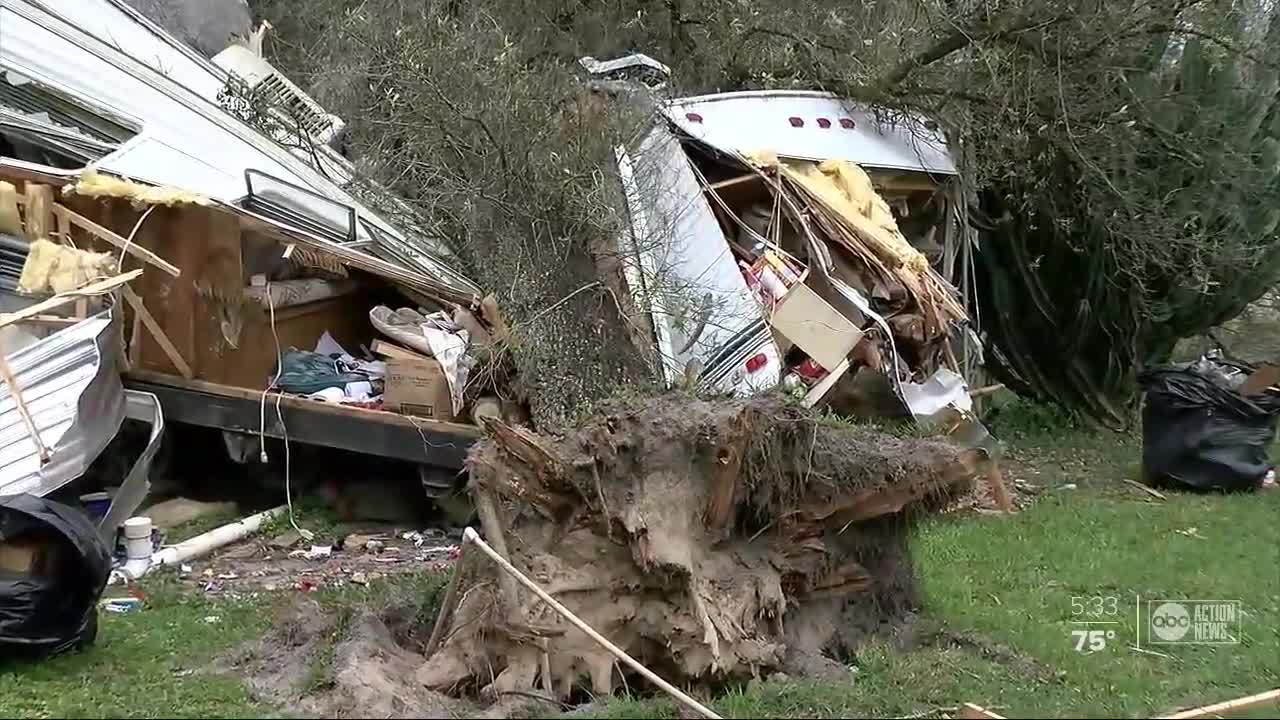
pixel 299 208
pixel 78 132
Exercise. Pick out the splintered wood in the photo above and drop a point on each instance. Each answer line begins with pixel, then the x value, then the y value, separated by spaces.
pixel 688 533
pixel 969 711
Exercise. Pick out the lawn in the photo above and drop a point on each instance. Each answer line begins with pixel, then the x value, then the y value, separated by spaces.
pixel 998 616
pixel 996 629
pixel 146 663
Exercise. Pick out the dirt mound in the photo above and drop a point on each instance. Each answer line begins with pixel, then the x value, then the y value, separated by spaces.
pixel 712 540
pixel 320 662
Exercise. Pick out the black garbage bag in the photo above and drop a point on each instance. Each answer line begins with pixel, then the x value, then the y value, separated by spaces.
pixel 51 607
pixel 1199 433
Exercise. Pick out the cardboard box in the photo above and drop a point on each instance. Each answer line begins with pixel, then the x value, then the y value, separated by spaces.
pixel 29 554
pixel 418 387
pixel 815 327
pixel 20 557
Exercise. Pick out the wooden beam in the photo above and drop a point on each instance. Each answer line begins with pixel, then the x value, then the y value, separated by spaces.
pixel 62 229
pixel 977 712
pixel 7 373
pixel 55 320
pixel 135 341
pixel 157 332
pixel 1270 697
pixel 110 236
pixel 979 392
pixel 820 390
pixel 999 491
pixel 734 181
pixel 444 617
pixel 1147 489
pixel 39 201
pixel 303 403
pixel 98 288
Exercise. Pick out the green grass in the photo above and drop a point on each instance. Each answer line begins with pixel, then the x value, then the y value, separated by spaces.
pixel 995 628
pixel 998 592
pixel 140 665
pixel 199 526
pixel 309 512
pixel 158 661
pixel 1012 581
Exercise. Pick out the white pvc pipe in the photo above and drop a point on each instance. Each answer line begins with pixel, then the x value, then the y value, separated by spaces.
pixel 216 538
pixel 137 543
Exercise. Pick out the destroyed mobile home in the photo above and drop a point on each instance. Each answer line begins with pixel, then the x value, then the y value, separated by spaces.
pixel 777 239
pixel 767 254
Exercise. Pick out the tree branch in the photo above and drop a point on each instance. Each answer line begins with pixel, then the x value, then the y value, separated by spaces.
pixel 962 38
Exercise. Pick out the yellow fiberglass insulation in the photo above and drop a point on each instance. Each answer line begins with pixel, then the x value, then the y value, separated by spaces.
pixel 10 221
pixel 57 268
pixel 95 184
pixel 847 191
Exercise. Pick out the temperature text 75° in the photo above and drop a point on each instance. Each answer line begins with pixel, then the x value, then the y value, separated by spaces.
pixel 1092 640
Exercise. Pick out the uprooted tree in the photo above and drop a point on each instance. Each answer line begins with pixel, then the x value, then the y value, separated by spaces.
pixel 713 540
pixel 1121 156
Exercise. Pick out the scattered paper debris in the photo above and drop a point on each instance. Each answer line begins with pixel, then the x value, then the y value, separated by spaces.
pixel 212 619
pixel 121 605
pixel 359 578
pixel 315 553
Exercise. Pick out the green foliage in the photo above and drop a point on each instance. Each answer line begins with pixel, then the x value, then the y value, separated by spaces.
pixel 1122 156
pixel 1014 417
pixel 506 155
pixel 1141 210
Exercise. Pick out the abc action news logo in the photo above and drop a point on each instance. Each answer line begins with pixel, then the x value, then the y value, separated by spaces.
pixel 1194 622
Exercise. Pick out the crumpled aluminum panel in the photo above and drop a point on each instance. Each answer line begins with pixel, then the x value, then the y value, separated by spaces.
pixel 71 385
pixel 786 122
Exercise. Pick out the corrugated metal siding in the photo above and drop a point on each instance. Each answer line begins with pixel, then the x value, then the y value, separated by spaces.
pixel 71 385
pixel 13 255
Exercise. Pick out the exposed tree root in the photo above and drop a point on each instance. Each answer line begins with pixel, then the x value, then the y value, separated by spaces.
pixel 709 539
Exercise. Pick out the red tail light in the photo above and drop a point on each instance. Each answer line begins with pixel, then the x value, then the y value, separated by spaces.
pixel 756 362
pixel 824 123
pixel 846 123
pixel 693 117
pixel 796 122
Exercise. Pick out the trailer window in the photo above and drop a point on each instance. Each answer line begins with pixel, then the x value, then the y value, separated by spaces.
pixel 39 124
